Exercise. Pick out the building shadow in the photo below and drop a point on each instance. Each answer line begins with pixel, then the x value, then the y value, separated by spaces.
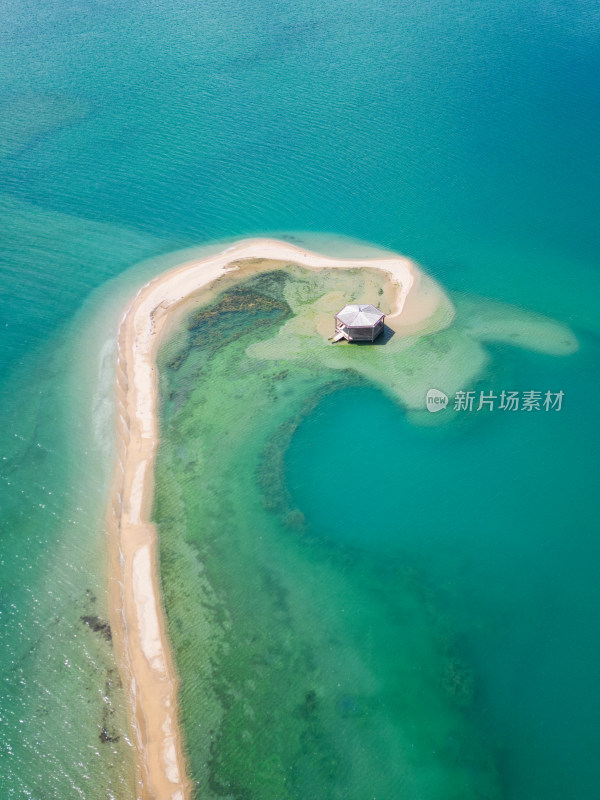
pixel 380 341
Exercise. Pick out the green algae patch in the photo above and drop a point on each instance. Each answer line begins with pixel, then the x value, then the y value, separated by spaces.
pixel 307 669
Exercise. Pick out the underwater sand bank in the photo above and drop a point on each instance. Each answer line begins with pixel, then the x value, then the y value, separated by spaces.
pixel 137 615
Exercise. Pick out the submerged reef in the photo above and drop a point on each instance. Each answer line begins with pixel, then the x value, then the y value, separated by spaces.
pixel 309 668
pixel 297 663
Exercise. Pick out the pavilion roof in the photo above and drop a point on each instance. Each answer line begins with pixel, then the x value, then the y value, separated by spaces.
pixel 360 316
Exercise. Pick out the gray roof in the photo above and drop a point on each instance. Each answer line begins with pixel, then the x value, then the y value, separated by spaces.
pixel 360 316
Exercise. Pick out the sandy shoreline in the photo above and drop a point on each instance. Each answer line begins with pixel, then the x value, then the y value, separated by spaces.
pixel 137 615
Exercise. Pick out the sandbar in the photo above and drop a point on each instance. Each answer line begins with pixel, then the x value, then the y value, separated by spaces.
pixel 137 616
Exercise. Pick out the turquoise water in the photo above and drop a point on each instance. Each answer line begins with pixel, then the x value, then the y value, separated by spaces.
pixel 347 587
pixel 461 134
pixel 496 515
pixel 306 669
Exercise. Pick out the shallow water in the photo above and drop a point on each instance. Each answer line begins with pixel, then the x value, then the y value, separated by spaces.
pixel 305 672
pixel 462 135
pixel 494 514
pixel 328 618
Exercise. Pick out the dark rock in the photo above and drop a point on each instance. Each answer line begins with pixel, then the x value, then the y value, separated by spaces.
pixel 106 738
pixel 98 625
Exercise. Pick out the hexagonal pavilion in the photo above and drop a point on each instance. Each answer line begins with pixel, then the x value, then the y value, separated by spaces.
pixel 358 323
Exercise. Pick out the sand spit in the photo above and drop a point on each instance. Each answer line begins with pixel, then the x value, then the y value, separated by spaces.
pixel 136 610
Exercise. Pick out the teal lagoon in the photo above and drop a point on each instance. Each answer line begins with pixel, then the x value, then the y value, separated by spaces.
pixel 462 135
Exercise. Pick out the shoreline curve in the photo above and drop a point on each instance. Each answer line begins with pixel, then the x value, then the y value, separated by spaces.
pixel 137 616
